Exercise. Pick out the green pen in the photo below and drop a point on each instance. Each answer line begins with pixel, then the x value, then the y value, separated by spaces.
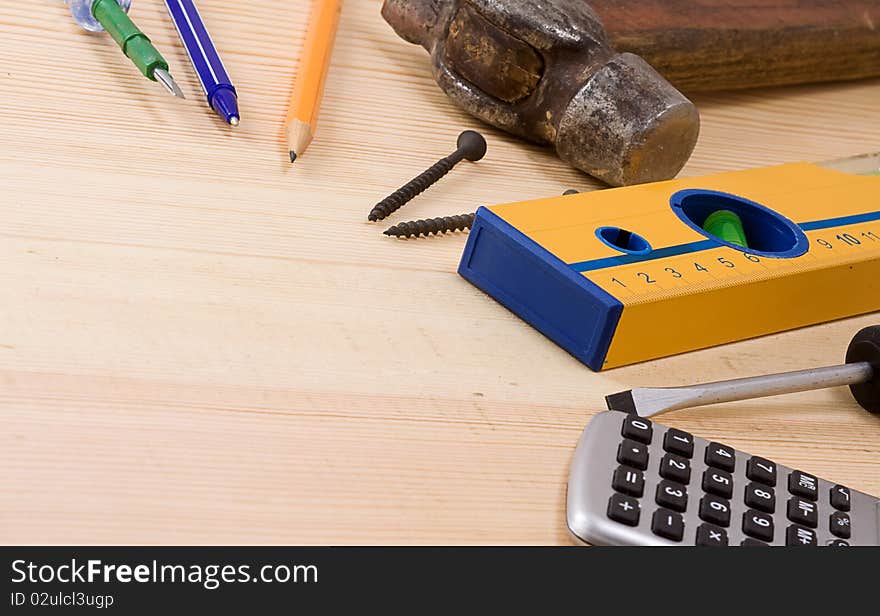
pixel 112 16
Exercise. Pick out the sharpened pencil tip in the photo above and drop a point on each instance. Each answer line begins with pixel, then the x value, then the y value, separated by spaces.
pixel 292 156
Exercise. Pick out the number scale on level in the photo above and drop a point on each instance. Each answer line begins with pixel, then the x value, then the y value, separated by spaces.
pixel 706 269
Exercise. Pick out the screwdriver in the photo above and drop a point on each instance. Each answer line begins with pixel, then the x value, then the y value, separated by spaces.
pixel 861 372
pixel 112 16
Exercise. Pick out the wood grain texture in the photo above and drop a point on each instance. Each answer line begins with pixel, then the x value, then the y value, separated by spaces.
pixel 707 45
pixel 200 344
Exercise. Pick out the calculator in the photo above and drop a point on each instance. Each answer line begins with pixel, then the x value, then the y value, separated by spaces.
pixel 635 482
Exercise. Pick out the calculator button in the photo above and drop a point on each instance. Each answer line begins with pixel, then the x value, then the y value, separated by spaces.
pixel 675 468
pixel 841 526
pixel 667 524
pixel 720 456
pixel 758 525
pixel 711 536
pixel 840 497
pixel 804 512
pixel 679 442
pixel 633 454
pixel 838 543
pixel 629 481
pixel 800 536
pixel 672 495
pixel 623 509
pixel 638 429
pixel 753 543
pixel 801 484
pixel 761 470
pixel 718 482
pixel 715 510
pixel 760 497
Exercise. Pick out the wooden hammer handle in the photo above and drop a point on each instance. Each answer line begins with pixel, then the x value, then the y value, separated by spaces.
pixel 704 45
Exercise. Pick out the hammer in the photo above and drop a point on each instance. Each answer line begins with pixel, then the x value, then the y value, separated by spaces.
pixel 543 70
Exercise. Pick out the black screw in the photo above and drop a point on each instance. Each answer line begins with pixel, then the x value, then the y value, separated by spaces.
pixel 444 224
pixel 432 226
pixel 471 146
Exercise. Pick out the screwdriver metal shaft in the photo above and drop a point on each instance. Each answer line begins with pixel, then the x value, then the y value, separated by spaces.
pixel 650 401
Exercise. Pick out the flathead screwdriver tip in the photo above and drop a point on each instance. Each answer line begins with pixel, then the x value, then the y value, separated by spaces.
pixel 167 81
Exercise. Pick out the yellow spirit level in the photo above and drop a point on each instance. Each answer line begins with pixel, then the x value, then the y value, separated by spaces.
pixel 625 275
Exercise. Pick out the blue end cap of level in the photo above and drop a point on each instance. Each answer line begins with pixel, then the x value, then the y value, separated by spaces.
pixel 540 288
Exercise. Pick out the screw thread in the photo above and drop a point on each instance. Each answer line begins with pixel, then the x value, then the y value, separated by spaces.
pixel 432 226
pixel 414 187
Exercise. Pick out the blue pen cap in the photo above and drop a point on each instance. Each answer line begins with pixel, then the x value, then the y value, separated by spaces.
pixel 82 13
pixel 225 102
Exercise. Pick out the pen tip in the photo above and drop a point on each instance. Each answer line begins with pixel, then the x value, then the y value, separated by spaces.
pixel 167 81
pixel 234 121
pixel 292 156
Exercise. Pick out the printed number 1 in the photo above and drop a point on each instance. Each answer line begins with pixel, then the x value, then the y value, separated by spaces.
pixel 618 282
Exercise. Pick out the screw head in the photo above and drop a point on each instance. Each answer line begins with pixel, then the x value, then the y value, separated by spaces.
pixel 472 145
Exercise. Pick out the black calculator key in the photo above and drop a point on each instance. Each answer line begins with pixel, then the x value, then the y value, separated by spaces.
pixel 715 510
pixel 761 470
pixel 838 543
pixel 840 498
pixel 672 495
pixel 667 524
pixel 800 536
pixel 679 442
pixel 803 512
pixel 721 456
pixel 758 525
pixel 638 429
pixel 748 542
pixel 718 482
pixel 711 536
pixel 801 484
pixel 623 509
pixel 629 481
pixel 841 525
pixel 760 497
pixel 675 468
pixel 633 454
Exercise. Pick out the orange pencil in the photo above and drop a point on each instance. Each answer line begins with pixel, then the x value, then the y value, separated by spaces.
pixel 308 89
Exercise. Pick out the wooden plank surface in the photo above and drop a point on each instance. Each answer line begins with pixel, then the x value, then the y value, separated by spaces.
pixel 200 344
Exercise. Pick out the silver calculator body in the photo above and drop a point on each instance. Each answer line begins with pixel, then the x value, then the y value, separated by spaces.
pixel 592 500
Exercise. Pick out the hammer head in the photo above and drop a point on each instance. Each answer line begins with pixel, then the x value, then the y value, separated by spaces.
pixel 542 70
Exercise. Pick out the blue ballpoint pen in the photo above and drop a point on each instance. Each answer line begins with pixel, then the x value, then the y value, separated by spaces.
pixel 218 87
